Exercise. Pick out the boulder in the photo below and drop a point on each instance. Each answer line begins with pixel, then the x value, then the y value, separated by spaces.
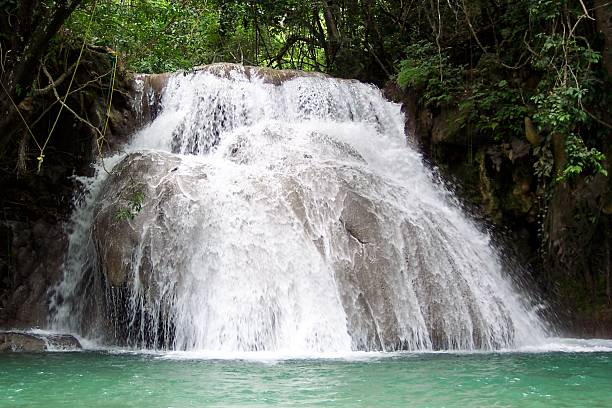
pixel 132 200
pixel 34 342
pixel 16 341
pixel 400 280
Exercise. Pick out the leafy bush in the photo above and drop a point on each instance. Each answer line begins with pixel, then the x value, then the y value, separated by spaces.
pixel 425 67
pixel 133 207
pixel 540 40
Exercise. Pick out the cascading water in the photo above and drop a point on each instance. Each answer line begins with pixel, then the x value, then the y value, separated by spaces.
pixel 284 215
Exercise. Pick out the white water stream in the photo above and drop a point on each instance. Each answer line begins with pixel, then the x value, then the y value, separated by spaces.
pixel 287 218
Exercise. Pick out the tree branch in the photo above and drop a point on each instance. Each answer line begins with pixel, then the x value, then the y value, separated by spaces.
pixel 288 44
pixel 53 84
pixel 59 99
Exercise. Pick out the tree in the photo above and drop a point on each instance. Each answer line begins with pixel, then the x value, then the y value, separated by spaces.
pixel 26 30
pixel 603 14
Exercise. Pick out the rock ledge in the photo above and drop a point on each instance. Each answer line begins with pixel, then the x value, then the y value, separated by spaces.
pixel 35 342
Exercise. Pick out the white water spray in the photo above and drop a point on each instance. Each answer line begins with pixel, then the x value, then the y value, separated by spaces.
pixel 287 217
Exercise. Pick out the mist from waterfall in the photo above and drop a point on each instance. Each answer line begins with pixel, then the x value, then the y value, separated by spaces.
pixel 286 215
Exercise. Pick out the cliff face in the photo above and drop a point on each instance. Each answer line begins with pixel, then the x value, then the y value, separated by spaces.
pixel 36 203
pixel 561 233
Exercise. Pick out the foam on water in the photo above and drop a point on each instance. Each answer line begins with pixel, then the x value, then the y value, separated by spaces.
pixel 569 345
pixel 553 345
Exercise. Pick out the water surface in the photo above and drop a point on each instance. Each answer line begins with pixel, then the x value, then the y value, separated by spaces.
pixel 105 379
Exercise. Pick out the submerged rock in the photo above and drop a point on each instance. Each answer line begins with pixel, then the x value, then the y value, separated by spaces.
pixel 32 342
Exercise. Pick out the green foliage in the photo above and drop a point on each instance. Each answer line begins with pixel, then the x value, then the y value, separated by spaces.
pixel 569 80
pixel 538 39
pixel 153 35
pixel 496 108
pixel 420 66
pixel 166 35
pixel 425 68
pixel 581 158
pixel 544 165
pixel 134 205
pixel 450 53
pixel 491 105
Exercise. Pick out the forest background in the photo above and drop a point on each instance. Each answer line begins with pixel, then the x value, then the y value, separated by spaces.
pixel 508 99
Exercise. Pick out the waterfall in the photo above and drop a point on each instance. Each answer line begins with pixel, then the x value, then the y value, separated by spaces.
pixel 281 211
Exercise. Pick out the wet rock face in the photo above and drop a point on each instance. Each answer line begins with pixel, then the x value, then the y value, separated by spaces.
pixel 128 205
pixel 35 261
pixel 269 75
pixel 395 297
pixel 148 88
pixel 547 231
pixel 62 342
pixel 130 218
pixel 384 286
pixel 14 341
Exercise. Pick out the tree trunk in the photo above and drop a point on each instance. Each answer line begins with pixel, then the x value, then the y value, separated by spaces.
pixel 333 34
pixel 603 15
pixel 36 27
